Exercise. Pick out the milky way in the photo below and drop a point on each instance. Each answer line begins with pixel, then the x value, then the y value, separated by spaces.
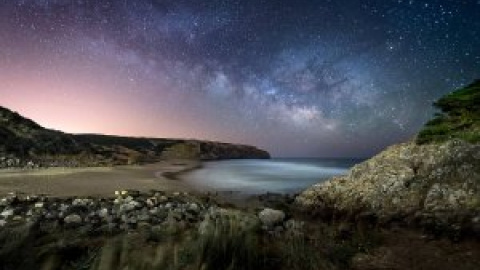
pixel 298 78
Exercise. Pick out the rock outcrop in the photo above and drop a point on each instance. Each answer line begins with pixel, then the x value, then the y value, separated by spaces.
pixel 432 181
pixel 204 150
pixel 433 185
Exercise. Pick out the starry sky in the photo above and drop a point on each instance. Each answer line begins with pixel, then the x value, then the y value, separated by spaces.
pixel 303 78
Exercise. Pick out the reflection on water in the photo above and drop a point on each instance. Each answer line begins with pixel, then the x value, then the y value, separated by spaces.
pixel 260 176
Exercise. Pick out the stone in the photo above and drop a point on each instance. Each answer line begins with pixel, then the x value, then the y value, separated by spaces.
pixel 4 202
pixel 39 205
pixel 7 213
pixel 103 213
pixel 270 217
pixel 151 202
pixel 128 207
pixel 406 180
pixel 79 202
pixel 73 219
pixel 194 207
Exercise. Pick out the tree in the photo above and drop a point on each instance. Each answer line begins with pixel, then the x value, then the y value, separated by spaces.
pixel 459 117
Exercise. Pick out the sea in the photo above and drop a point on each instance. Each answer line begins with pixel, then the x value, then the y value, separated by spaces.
pixel 281 175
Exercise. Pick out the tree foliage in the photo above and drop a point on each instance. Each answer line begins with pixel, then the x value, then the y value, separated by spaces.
pixel 458 117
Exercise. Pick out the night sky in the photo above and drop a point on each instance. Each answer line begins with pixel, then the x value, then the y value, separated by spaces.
pixel 298 78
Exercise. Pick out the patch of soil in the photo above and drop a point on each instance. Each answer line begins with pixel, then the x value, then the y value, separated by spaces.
pixel 403 249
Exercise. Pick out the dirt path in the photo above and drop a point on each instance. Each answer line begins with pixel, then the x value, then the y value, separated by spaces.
pixel 102 181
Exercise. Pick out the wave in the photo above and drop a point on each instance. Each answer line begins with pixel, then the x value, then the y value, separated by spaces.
pixel 260 176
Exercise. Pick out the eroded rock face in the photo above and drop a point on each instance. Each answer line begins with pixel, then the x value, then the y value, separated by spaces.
pixel 439 182
pixel 202 150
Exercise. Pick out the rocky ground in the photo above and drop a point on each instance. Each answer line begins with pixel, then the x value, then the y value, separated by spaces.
pixel 27 220
pixel 126 211
pixel 179 230
pixel 433 186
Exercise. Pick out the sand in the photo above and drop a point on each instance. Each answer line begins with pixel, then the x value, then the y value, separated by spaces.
pixel 102 181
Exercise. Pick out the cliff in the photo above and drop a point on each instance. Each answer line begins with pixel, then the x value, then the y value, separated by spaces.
pixel 24 143
pixel 432 181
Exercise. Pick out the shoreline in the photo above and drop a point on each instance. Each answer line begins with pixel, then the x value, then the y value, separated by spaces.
pixel 98 181
pixel 103 182
pixel 189 167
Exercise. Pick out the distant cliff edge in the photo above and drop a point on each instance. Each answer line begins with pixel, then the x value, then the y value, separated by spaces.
pixel 432 181
pixel 24 143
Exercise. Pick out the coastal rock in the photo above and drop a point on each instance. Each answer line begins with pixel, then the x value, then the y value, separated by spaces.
pixel 193 208
pixel 125 212
pixel 270 217
pixel 7 213
pixel 440 181
pixel 212 151
pixel 103 213
pixel 73 219
pixel 39 205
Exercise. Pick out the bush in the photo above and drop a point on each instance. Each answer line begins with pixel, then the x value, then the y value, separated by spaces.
pixel 459 117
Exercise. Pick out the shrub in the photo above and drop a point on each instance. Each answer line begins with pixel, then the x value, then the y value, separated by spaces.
pixel 459 117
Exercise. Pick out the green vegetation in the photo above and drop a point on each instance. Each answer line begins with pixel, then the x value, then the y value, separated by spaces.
pixel 234 242
pixel 24 139
pixel 24 142
pixel 459 117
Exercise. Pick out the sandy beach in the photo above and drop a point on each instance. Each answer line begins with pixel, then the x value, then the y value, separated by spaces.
pixel 97 181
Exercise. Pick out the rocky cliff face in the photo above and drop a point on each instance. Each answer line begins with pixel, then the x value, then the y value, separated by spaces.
pixel 433 185
pixel 212 151
pixel 433 181
pixel 24 143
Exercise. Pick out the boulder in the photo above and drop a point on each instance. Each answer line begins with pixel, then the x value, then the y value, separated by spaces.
pixel 73 219
pixel 7 213
pixel 270 217
pixel 39 205
pixel 408 181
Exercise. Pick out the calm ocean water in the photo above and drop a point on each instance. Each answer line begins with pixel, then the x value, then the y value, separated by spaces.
pixel 261 176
